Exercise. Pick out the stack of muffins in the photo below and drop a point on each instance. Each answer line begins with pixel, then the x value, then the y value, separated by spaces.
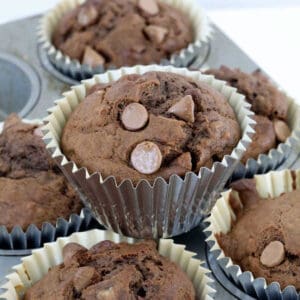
pixel 150 147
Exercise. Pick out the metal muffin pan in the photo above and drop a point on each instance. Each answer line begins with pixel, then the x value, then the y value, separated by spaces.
pixel 22 97
pixel 43 84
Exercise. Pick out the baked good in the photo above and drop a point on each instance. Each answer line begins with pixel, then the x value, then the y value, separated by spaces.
pixel 267 102
pixel 33 190
pixel 148 126
pixel 113 271
pixel 265 237
pixel 122 32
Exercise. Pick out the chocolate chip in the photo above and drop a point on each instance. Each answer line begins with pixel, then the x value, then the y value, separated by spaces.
pixel 146 158
pixel 134 116
pixel 282 130
pixel 102 246
pixel 92 58
pixel 273 255
pixel 156 33
pixel 106 294
pixel 184 109
pixel 149 6
pixel 70 250
pixel 83 277
pixel 38 132
pixel 87 15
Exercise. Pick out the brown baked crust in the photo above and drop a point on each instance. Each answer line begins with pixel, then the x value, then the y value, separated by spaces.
pixel 268 103
pixel 95 123
pixel 264 96
pixel 116 271
pixel 33 190
pixel 263 139
pixel 118 32
pixel 260 222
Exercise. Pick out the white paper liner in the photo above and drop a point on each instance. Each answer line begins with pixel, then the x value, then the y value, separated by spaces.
pixel 201 26
pixel 279 158
pixel 149 210
pixel 272 184
pixel 35 266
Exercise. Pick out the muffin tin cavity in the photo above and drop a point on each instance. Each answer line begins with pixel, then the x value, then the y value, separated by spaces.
pixel 20 97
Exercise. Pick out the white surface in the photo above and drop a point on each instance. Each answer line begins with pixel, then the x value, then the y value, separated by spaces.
pixel 267 30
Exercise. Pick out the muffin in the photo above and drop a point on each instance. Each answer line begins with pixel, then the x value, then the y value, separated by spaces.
pixel 270 246
pixel 33 190
pixel 150 125
pixel 139 143
pixel 122 32
pixel 113 271
pixel 254 228
pixel 268 103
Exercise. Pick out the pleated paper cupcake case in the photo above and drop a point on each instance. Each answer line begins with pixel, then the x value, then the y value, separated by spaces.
pixel 221 218
pixel 280 158
pixel 76 70
pixel 37 265
pixel 153 210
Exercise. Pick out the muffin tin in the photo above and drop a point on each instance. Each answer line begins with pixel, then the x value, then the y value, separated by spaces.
pixel 39 83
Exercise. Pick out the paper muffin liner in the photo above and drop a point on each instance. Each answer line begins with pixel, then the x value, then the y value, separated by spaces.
pixel 74 69
pixel 37 265
pixel 272 184
pixel 34 237
pixel 148 210
pixel 280 158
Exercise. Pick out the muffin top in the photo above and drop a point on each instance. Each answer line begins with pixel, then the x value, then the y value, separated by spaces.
pixel 265 98
pixel 25 166
pixel 270 246
pixel 150 125
pixel 122 32
pixel 113 271
pixel 268 103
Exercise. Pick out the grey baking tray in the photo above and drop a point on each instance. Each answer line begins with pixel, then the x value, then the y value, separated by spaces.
pixel 33 84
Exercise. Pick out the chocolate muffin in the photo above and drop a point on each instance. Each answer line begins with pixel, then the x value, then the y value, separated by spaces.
pixel 122 32
pixel 113 271
pixel 33 190
pixel 268 103
pixel 265 237
pixel 148 126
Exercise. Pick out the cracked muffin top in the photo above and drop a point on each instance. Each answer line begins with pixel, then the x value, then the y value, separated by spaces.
pixel 269 104
pixel 113 271
pixel 269 247
pixel 33 190
pixel 150 125
pixel 122 32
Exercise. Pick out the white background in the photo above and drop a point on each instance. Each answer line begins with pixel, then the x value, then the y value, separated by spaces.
pixel 268 30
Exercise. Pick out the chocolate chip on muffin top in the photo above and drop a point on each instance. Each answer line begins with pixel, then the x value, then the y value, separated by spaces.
pixel 113 271
pixel 150 125
pixel 122 32
pixel 33 190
